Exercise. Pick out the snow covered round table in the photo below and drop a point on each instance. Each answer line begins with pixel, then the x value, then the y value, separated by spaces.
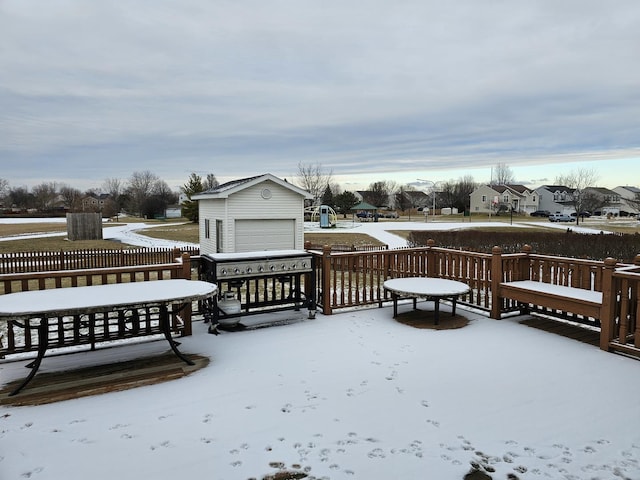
pixel 92 309
pixel 428 288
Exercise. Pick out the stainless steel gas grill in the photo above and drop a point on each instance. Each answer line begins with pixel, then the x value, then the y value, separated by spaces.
pixel 257 282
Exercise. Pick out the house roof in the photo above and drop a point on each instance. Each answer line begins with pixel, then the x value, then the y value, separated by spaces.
pixel 520 190
pixel 366 195
pixel 557 188
pixel 415 195
pixel 634 190
pixel 229 188
pixel 602 190
pixel 364 206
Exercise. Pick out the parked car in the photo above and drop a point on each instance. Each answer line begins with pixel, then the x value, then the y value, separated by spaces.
pixel 584 214
pixel 561 217
pixel 541 213
pixel 366 214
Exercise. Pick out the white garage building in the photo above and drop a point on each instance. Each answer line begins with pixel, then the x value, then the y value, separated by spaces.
pixel 252 214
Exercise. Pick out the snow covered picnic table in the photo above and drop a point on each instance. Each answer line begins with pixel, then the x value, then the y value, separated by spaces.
pixel 99 313
pixel 425 287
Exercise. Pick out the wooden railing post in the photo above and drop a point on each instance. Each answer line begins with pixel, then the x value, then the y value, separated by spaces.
pixel 432 262
pixel 636 337
pixel 186 266
pixel 609 300
pixel 326 280
pixel 188 309
pixel 496 278
pixel 524 264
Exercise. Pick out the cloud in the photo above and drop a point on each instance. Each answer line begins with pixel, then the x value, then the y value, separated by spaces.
pixel 239 88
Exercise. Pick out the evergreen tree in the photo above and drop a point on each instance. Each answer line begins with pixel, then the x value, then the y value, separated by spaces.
pixel 327 197
pixel 190 207
pixel 345 201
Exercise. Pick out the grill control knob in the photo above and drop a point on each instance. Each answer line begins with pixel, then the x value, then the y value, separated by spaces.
pixel 223 272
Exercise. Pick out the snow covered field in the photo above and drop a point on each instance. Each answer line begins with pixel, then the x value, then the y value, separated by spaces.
pixel 355 395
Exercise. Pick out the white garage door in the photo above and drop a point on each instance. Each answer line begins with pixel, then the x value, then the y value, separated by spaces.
pixel 258 234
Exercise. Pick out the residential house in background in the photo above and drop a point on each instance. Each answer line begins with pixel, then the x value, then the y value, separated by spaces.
pixel 629 199
pixel 596 200
pixel 413 199
pixel 555 199
pixel 605 201
pixel 503 198
pixel 95 202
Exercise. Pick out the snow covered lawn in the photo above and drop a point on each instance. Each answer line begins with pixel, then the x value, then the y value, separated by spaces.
pixel 355 395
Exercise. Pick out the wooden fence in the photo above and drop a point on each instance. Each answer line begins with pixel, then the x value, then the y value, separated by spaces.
pixel 18 262
pixel 343 247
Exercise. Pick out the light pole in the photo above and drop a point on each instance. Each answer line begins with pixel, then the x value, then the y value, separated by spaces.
pixel 433 192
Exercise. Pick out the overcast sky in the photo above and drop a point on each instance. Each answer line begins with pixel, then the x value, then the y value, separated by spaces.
pixel 370 90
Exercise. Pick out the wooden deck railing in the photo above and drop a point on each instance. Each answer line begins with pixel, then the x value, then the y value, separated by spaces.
pixel 17 262
pixel 621 331
pixel 19 282
pixel 353 279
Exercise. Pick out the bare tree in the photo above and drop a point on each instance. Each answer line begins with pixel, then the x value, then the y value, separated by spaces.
pixel 462 193
pixel 404 200
pixel 314 180
pixel 210 182
pixel 45 196
pixel 502 175
pixel 4 188
pixel 578 181
pixel 161 197
pixel 114 187
pixel 72 198
pixel 140 189
pixel 447 194
pixel 20 197
pixel 382 193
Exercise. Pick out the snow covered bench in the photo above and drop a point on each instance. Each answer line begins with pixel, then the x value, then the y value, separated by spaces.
pixel 580 301
pixel 576 289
